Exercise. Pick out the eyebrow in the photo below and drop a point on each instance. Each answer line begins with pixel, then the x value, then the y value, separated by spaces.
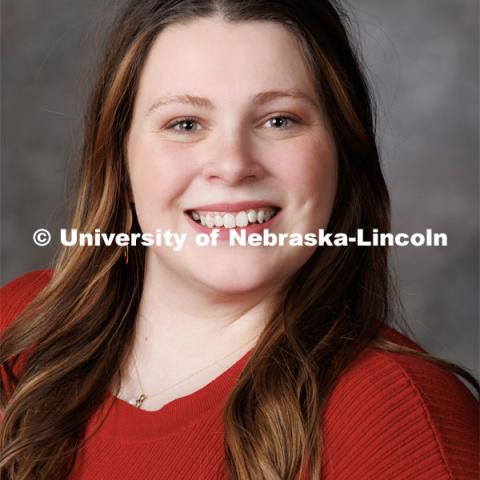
pixel 259 99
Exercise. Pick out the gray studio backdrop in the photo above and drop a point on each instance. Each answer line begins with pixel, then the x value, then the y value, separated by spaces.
pixel 422 58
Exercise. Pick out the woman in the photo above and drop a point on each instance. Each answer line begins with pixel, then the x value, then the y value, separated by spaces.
pixel 226 362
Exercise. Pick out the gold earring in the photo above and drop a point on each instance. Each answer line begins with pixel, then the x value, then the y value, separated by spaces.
pixel 128 228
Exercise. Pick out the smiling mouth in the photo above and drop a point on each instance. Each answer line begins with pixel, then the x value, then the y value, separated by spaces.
pixel 242 218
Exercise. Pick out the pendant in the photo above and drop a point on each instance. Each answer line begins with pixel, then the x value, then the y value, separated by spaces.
pixel 137 402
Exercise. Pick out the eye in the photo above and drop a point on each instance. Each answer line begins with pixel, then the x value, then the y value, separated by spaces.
pixel 281 122
pixel 185 125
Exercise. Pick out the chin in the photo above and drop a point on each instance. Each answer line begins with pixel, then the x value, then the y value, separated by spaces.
pixel 237 284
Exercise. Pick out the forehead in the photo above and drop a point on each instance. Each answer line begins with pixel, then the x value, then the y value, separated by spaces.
pixel 218 58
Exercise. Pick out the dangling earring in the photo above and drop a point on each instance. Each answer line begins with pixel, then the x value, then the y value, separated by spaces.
pixel 128 228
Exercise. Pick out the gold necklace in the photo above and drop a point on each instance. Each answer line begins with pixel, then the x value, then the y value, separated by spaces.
pixel 138 401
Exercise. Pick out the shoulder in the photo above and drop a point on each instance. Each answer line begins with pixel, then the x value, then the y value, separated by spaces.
pixel 396 416
pixel 15 296
pixel 19 292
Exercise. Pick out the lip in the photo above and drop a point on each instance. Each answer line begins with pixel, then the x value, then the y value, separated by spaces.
pixel 233 207
pixel 223 233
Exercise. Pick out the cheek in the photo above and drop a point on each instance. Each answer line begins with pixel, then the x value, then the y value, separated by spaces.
pixel 309 170
pixel 151 167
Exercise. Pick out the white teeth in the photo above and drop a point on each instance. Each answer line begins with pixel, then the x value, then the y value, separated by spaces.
pixel 241 220
pixel 209 221
pixel 228 220
pixel 232 220
pixel 252 216
pixel 218 221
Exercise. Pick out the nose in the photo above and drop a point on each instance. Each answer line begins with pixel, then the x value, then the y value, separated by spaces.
pixel 231 162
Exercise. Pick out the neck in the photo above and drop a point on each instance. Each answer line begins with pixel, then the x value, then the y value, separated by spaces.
pixel 176 317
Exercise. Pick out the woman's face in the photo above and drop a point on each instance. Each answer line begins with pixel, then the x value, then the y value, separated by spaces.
pixel 226 121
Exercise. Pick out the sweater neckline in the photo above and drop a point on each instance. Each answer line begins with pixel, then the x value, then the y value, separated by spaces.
pixel 124 420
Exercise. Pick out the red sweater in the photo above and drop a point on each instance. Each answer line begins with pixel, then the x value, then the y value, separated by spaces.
pixel 390 417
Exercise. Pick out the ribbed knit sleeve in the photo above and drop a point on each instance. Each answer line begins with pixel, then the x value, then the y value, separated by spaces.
pixel 396 417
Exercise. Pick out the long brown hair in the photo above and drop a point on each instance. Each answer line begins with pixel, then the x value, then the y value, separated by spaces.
pixel 82 323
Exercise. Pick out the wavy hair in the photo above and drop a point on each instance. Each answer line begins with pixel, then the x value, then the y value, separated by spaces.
pixel 79 330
